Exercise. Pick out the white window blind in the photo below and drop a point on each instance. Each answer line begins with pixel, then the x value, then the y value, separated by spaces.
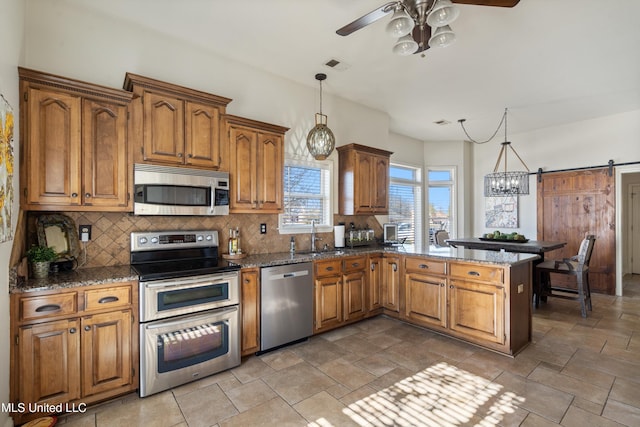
pixel 405 202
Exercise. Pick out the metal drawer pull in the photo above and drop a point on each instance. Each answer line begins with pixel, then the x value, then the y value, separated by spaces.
pixel 48 307
pixel 72 330
pixel 423 266
pixel 395 266
pixel 87 328
pixel 329 268
pixel 373 267
pixel 473 273
pixel 355 264
pixel 106 300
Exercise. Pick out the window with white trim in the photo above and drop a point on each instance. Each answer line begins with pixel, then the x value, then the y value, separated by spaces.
pixel 307 196
pixel 441 199
pixel 405 202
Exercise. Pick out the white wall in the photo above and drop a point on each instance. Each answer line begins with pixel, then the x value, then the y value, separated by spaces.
pixel 11 34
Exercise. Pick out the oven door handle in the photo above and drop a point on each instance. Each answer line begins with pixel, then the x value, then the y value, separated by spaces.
pixel 194 282
pixel 190 319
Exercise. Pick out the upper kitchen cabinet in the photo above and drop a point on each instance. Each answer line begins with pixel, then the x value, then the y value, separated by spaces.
pixel 74 148
pixel 176 125
pixel 256 153
pixel 364 180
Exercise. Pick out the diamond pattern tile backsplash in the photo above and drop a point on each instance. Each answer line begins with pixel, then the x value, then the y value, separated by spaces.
pixel 110 234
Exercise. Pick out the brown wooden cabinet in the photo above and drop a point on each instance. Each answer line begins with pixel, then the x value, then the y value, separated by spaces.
pixel 374 286
pixel 74 145
pixel 425 293
pixel 391 284
pixel 250 283
pixel 363 180
pixel 73 345
pixel 256 165
pixel 176 125
pixel 354 288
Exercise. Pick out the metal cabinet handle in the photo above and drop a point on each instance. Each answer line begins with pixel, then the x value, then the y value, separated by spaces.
pixel 74 194
pixel 473 273
pixel 423 266
pixel 106 300
pixel 190 155
pixel 329 268
pixel 180 155
pixel 48 307
pixel 450 286
pixel 87 195
pixel 247 281
pixel 87 328
pixel 72 330
pixel 394 266
pixel 442 285
pixel 355 264
pixel 373 266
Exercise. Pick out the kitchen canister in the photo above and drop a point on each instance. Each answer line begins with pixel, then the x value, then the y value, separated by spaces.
pixel 338 234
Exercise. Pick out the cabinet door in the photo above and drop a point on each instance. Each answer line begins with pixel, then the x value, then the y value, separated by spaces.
pixel 49 355
pixel 328 303
pixel 53 149
pixel 374 296
pixel 106 351
pixel 354 301
pixel 104 151
pixel 477 310
pixel 391 284
pixel 202 135
pixel 425 299
pixel 250 280
pixel 363 188
pixel 269 173
pixel 163 139
pixel 243 155
pixel 380 180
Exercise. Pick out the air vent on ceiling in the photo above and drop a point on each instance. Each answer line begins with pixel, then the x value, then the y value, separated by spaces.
pixel 337 65
pixel 442 122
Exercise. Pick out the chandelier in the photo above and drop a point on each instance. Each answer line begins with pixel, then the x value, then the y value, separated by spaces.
pixel 320 140
pixel 503 182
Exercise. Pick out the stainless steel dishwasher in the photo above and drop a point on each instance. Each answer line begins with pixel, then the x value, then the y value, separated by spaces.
pixel 286 313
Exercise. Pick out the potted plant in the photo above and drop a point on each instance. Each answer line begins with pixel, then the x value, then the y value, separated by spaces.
pixel 40 257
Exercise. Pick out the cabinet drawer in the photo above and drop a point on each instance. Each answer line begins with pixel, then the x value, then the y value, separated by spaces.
pixel 48 306
pixel 106 298
pixel 355 264
pixel 425 265
pixel 476 272
pixel 328 268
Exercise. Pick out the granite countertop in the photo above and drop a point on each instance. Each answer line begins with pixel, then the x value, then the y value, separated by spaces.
pixel 446 253
pixel 123 273
pixel 79 277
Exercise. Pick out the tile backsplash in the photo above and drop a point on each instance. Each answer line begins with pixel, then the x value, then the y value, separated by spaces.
pixel 110 234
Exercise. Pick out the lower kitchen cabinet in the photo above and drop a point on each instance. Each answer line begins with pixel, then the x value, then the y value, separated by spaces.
pixel 374 285
pixel 76 345
pixel 391 284
pixel 425 292
pixel 250 303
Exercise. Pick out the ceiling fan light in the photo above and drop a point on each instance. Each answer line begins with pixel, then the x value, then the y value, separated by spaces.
pixel 442 37
pixel 401 24
pixel 405 46
pixel 443 13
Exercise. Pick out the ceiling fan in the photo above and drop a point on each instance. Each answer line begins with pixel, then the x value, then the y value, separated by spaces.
pixel 413 20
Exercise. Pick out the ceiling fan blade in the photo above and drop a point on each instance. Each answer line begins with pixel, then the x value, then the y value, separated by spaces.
pixel 367 19
pixel 499 3
pixel 421 37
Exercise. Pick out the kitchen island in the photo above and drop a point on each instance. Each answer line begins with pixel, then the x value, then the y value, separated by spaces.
pixel 482 297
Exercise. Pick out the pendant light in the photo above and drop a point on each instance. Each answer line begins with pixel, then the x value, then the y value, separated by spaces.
pixel 320 140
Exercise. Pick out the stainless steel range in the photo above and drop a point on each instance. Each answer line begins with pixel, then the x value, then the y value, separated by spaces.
pixel 189 308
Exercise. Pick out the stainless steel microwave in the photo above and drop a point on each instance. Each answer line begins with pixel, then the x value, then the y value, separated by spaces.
pixel 164 190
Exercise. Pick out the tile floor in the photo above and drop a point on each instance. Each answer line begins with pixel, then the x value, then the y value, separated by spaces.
pixel 381 372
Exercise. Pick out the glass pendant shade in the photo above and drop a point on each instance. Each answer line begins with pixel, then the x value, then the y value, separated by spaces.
pixel 506 183
pixel 400 25
pixel 442 37
pixel 443 13
pixel 405 46
pixel 320 140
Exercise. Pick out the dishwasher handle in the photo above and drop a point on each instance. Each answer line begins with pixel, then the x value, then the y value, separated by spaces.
pixel 299 273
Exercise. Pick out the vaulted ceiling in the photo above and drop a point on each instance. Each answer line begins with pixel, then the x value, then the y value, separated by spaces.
pixel 549 61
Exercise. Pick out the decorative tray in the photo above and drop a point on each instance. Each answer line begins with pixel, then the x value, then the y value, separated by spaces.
pixel 485 239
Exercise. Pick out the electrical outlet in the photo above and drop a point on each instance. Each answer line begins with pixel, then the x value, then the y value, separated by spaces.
pixel 263 228
pixel 85 233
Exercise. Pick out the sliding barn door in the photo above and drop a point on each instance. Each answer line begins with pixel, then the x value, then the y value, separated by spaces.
pixel 572 204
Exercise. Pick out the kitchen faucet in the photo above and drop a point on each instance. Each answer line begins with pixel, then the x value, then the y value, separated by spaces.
pixel 313 236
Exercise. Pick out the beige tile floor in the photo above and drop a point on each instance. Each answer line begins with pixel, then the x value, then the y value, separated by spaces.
pixel 381 372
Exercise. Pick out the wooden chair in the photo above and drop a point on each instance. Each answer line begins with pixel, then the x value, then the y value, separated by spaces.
pixel 577 266
pixel 440 238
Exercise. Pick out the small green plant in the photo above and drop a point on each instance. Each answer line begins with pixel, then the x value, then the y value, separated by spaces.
pixel 41 254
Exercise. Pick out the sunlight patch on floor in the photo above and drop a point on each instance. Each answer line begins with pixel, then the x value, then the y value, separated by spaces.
pixel 439 396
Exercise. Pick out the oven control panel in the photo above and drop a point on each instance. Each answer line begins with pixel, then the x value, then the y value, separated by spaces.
pixel 154 240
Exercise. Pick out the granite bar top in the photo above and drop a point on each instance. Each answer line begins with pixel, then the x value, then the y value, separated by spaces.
pixel 123 273
pixel 79 277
